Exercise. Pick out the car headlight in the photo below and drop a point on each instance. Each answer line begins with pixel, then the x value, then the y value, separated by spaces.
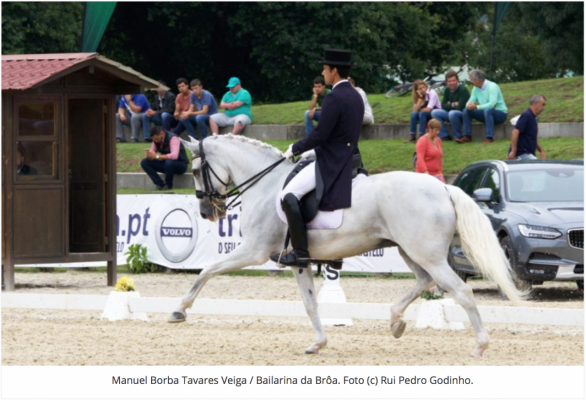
pixel 539 232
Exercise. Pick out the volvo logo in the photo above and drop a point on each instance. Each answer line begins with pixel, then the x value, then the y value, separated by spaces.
pixel 176 232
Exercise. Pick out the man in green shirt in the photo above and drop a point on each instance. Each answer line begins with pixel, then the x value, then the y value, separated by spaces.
pixel 236 103
pixel 317 98
pixel 486 105
pixel 456 96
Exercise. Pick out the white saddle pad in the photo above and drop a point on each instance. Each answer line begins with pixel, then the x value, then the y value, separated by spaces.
pixel 323 219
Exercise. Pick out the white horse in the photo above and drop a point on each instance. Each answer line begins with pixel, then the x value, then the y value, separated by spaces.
pixel 415 212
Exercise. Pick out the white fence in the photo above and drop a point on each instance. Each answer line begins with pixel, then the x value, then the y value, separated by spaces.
pixel 452 313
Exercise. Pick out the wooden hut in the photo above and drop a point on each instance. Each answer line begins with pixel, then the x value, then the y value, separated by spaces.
pixel 59 158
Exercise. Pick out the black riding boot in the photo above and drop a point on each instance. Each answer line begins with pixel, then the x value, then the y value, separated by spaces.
pixel 299 257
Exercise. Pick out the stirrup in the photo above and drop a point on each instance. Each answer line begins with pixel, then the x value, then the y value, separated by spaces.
pixel 291 259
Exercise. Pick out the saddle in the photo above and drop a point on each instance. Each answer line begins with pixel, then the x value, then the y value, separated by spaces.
pixel 310 202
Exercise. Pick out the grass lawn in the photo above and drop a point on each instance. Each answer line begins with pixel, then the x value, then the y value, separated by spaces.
pixel 391 155
pixel 565 103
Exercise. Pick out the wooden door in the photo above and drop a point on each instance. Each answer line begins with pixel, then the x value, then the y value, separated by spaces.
pixel 38 205
pixel 87 174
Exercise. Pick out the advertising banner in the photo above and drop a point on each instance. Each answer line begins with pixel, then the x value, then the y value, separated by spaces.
pixel 170 227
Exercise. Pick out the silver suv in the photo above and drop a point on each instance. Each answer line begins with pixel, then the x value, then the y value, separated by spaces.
pixel 537 211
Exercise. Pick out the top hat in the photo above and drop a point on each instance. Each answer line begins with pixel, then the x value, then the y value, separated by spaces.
pixel 338 57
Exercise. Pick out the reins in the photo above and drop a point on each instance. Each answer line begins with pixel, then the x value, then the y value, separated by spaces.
pixel 212 193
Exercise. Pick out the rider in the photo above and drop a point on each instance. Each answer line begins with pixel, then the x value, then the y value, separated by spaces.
pixel 335 140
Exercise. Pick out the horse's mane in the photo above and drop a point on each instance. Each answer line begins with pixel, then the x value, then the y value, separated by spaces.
pixel 247 140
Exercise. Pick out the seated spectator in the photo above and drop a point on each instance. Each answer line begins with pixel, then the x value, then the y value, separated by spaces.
pixel 314 112
pixel 21 167
pixel 161 113
pixel 202 106
pixel 429 152
pixel 424 101
pixel 486 104
pixel 167 155
pixel 456 96
pixel 131 109
pixel 368 116
pixel 182 103
pixel 524 140
pixel 236 102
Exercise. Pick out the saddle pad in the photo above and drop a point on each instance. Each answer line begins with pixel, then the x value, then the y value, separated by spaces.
pixel 323 219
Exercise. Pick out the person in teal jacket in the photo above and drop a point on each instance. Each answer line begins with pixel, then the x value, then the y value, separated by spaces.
pixel 236 103
pixel 486 104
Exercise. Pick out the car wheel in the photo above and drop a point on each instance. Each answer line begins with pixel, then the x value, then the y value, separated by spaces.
pixel 580 285
pixel 520 283
pixel 463 275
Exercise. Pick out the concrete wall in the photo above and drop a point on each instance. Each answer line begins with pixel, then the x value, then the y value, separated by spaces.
pixel 296 132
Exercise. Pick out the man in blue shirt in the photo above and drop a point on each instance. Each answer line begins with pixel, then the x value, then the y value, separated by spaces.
pixel 202 106
pixel 524 137
pixel 131 109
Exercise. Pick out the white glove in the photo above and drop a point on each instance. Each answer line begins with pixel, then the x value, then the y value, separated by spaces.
pixel 289 152
pixel 309 154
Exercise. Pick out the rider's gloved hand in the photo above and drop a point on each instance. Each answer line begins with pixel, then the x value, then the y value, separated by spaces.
pixel 289 152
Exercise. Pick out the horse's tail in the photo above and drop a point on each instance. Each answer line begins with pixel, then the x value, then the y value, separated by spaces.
pixel 481 246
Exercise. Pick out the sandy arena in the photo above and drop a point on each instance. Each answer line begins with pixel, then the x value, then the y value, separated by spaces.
pixel 50 337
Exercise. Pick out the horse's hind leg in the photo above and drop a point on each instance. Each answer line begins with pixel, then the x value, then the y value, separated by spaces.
pixel 242 257
pixel 424 281
pixel 462 293
pixel 307 289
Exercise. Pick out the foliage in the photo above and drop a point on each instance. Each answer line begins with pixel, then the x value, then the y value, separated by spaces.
pixel 138 261
pixel 41 27
pixel 125 284
pixel 432 295
pixel 273 46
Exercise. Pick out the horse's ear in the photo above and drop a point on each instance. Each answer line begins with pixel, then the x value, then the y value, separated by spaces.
pixel 192 145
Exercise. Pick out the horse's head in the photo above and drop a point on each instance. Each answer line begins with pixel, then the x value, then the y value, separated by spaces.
pixel 211 179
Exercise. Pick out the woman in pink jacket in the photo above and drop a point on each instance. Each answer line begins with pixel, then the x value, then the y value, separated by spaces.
pixel 429 151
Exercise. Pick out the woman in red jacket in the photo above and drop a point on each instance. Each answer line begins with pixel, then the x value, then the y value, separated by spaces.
pixel 429 151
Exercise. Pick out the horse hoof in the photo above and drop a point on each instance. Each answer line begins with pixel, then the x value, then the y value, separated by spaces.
pixel 176 317
pixel 398 328
pixel 312 350
pixel 478 352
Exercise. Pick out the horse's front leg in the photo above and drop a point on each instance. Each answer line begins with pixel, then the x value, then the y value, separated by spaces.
pixel 243 256
pixel 305 282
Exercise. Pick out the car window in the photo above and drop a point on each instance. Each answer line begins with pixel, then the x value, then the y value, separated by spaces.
pixel 470 180
pixel 492 181
pixel 551 184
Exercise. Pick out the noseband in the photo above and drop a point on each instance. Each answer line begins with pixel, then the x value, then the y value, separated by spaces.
pixel 216 198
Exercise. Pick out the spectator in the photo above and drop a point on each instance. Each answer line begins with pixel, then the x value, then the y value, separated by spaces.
pixel 524 140
pixel 424 101
pixel 429 152
pixel 368 116
pixel 167 155
pixel 161 113
pixel 456 96
pixel 21 167
pixel 130 107
pixel 236 102
pixel 182 103
pixel 486 105
pixel 314 112
pixel 202 106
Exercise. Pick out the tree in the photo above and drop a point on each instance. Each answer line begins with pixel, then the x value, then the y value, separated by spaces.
pixel 32 27
pixel 559 27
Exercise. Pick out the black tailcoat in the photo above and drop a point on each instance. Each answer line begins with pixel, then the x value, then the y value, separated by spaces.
pixel 335 140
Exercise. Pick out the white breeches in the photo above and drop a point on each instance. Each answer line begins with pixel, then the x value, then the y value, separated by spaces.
pixel 303 183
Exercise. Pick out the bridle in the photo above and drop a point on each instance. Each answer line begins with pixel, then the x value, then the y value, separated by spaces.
pixel 216 198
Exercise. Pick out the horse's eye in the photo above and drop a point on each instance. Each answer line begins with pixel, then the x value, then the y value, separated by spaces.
pixel 195 172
